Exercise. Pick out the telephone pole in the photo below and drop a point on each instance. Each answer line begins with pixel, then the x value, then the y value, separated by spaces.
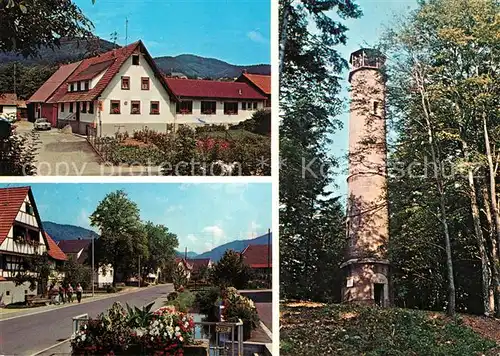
pixel 93 270
pixel 126 31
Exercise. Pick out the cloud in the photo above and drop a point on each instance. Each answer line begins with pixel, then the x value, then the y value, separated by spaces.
pixel 257 37
pixel 192 238
pixel 83 219
pixel 173 208
pixel 215 231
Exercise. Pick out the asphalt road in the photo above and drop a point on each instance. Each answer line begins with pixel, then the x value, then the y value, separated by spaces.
pixel 29 334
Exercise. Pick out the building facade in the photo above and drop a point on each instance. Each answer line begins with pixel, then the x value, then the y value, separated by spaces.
pixel 21 237
pixel 124 91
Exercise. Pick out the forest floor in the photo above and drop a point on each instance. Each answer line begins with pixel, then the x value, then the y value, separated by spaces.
pixel 345 330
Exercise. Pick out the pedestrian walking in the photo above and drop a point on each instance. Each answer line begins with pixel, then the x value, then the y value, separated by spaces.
pixel 69 292
pixel 79 291
pixel 61 294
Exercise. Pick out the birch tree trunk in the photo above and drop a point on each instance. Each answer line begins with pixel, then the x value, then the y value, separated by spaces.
pixel 436 159
pixel 481 243
pixel 283 26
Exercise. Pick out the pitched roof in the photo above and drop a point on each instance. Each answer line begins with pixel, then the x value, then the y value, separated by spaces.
pixel 184 262
pixel 261 81
pixel 11 200
pixel 198 88
pixel 256 256
pixel 8 99
pixel 110 63
pixel 198 263
pixel 73 246
pixel 54 82
pixel 53 250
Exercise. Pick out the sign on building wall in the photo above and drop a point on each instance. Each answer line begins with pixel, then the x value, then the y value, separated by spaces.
pixel 350 282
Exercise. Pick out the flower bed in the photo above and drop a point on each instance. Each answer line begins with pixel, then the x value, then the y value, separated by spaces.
pixel 238 307
pixel 165 331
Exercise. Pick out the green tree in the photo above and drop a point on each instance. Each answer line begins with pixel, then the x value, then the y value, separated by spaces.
pixel 75 273
pixel 309 101
pixel 443 100
pixel 36 271
pixel 26 25
pixel 161 247
pixel 18 154
pixel 231 271
pixel 28 78
pixel 123 239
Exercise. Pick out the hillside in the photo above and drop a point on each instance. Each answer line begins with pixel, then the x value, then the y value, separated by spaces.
pixel 190 254
pixel 196 66
pixel 70 50
pixel 345 330
pixel 237 245
pixel 67 232
pixel 188 64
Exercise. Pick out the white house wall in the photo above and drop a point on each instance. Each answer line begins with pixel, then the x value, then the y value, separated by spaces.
pixel 9 109
pixel 219 118
pixel 125 121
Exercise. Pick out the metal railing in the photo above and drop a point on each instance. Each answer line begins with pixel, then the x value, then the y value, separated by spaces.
pixel 77 323
pixel 225 338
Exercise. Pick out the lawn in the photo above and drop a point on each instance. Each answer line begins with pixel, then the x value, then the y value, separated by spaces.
pixel 352 331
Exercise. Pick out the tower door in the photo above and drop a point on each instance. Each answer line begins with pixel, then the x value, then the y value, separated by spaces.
pixel 379 294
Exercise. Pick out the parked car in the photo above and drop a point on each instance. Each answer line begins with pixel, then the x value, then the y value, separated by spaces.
pixel 42 124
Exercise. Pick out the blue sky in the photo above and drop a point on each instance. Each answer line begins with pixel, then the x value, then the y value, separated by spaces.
pixel 202 215
pixel 363 32
pixel 235 31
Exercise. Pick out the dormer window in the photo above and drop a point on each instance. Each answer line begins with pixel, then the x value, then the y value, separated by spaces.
pixel 72 87
pixel 135 59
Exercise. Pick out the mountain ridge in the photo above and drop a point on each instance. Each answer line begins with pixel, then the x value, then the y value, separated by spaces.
pixel 60 232
pixel 191 65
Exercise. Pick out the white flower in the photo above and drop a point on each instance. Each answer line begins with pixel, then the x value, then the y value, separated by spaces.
pixel 177 328
pixel 83 337
pixel 181 339
pixel 177 334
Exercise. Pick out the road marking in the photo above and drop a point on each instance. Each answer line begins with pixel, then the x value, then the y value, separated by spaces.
pixel 50 347
pixel 72 305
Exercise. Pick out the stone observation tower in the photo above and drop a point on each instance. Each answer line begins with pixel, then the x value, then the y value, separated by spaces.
pixel 366 267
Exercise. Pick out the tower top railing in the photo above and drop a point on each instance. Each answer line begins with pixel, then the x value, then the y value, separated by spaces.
pixel 367 57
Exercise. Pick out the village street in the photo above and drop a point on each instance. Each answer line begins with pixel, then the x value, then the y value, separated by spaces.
pixel 29 334
pixel 65 154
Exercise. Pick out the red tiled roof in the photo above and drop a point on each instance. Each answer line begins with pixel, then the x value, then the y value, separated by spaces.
pixel 195 88
pixel 11 200
pixel 184 262
pixel 263 82
pixel 54 250
pixel 73 246
pixel 256 256
pixel 197 263
pixel 53 83
pixel 111 62
pixel 8 99
pixel 93 71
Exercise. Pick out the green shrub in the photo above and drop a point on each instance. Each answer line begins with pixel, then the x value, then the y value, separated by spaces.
pixel 206 301
pixel 183 302
pixel 172 296
pixel 111 289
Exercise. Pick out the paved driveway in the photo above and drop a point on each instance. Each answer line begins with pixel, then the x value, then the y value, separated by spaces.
pixel 62 154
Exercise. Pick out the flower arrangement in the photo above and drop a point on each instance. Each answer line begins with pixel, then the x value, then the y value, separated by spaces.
pixel 115 110
pixel 185 111
pixel 164 332
pixel 238 307
pixel 155 111
pixel 167 333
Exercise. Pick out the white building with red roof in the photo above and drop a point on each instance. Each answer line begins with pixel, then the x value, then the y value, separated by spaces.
pixel 123 90
pixel 261 82
pixel 21 237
